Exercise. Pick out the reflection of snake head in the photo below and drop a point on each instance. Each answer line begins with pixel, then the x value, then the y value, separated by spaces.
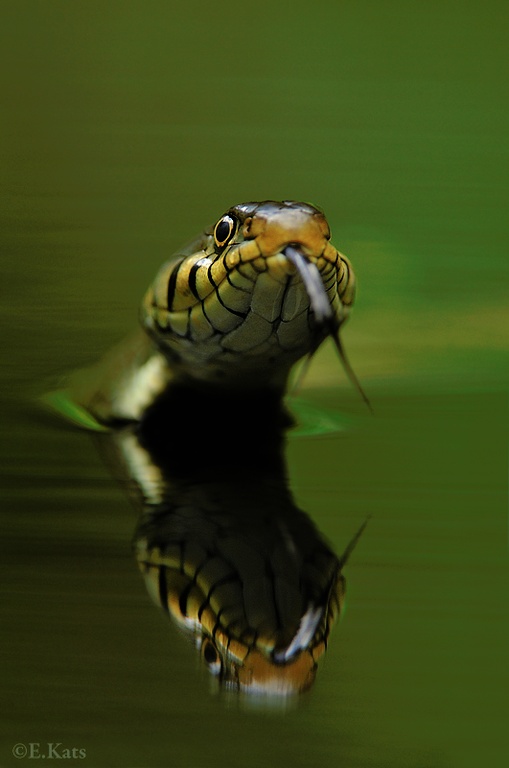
pixel 261 636
pixel 263 287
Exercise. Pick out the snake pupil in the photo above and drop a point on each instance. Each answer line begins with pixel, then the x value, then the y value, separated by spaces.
pixel 224 230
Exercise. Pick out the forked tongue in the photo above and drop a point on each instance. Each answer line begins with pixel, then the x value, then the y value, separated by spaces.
pixel 322 309
pixel 312 283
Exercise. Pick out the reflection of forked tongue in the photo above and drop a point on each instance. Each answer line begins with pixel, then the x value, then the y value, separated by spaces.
pixel 352 544
pixel 319 301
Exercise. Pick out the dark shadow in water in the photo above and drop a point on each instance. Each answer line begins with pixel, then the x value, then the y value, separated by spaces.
pixel 222 547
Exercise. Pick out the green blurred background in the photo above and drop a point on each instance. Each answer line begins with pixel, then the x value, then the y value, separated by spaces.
pixel 126 127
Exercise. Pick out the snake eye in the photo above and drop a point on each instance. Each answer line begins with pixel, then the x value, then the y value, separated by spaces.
pixel 211 656
pixel 224 230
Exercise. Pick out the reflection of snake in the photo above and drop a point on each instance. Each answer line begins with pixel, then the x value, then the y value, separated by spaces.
pixel 240 568
pixel 236 308
pixel 223 548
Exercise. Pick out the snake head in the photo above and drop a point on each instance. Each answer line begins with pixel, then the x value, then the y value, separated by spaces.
pixel 256 292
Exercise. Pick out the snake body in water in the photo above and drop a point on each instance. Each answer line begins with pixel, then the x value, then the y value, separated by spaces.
pixel 195 406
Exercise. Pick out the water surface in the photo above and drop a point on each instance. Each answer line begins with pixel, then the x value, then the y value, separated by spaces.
pixel 127 130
